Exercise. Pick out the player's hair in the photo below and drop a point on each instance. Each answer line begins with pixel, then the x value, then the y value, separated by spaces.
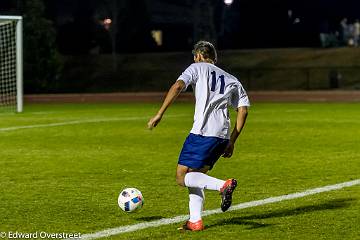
pixel 206 49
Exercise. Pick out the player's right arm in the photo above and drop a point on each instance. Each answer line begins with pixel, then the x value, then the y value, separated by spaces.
pixel 172 94
pixel 242 113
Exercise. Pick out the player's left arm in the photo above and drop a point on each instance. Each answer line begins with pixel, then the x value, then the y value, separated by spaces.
pixel 173 93
pixel 242 113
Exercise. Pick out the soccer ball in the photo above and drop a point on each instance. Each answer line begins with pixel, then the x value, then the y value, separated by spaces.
pixel 130 200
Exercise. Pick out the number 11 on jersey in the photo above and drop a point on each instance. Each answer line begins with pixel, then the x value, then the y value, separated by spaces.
pixel 214 80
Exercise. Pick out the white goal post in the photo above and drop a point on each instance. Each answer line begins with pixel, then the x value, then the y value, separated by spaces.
pixel 11 64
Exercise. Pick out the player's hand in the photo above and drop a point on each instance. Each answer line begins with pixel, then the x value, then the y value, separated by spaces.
pixel 153 122
pixel 228 150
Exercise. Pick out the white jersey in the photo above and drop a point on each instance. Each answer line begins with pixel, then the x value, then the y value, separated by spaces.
pixel 215 90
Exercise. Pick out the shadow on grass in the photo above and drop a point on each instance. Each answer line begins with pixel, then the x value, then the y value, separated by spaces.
pixel 149 218
pixel 246 220
pixel 239 221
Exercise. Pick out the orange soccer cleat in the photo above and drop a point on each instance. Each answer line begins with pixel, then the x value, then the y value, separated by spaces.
pixel 193 226
pixel 226 193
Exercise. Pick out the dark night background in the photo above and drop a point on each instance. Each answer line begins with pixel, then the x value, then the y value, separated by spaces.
pixel 57 29
pixel 243 24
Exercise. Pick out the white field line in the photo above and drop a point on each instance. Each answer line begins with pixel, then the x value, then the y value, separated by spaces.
pixel 7 129
pixel 167 221
pixel 29 113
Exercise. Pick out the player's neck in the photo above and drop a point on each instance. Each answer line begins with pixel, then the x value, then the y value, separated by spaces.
pixel 206 61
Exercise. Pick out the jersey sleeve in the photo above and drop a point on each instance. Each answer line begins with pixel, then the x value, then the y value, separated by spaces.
pixel 239 98
pixel 189 76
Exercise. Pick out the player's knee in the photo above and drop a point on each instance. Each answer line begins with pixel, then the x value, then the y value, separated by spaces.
pixel 180 179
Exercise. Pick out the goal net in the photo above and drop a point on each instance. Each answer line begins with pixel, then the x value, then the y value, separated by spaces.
pixel 11 91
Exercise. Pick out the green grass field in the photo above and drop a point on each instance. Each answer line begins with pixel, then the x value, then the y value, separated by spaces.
pixel 63 166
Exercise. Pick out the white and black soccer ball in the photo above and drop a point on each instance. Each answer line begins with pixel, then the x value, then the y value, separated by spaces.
pixel 130 200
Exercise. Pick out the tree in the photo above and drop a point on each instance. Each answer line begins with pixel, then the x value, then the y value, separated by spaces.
pixel 42 62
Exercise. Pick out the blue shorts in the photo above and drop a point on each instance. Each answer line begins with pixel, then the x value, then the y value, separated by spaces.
pixel 199 151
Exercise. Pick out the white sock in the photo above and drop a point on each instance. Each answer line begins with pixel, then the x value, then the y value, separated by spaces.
pixel 196 202
pixel 203 181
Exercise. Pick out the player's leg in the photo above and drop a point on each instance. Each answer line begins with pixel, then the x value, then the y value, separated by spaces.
pixel 181 171
pixel 198 156
pixel 197 196
pixel 196 201
pixel 199 179
pixel 229 185
pixel 196 178
pixel 188 177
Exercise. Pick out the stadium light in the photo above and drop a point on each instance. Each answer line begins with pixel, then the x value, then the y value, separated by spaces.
pixel 107 23
pixel 228 2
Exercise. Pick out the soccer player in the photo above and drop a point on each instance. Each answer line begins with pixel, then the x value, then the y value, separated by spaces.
pixel 215 90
